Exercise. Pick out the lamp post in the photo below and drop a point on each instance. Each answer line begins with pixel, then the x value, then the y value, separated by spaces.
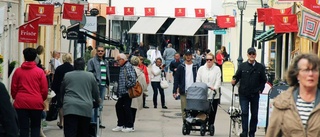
pixel 241 6
pixel 263 5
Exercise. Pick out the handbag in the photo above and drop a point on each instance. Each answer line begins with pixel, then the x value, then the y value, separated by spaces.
pixel 52 114
pixel 163 82
pixel 136 90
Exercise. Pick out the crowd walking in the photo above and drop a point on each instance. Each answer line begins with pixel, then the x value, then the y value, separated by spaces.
pixel 81 87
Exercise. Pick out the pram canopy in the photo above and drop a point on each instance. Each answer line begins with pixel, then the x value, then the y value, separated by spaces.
pixel 198 90
pixel 197 97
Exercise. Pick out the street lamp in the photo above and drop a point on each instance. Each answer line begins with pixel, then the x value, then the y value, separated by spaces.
pixel 241 6
pixel 264 4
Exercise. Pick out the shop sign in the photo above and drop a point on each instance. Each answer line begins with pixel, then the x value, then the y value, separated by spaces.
pixel 280 4
pixel 73 32
pixel 220 32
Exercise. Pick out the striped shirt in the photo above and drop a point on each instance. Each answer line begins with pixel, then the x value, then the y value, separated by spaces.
pixel 304 109
pixel 103 70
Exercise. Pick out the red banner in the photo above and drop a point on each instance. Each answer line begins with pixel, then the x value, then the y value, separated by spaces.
pixel 261 15
pixel 285 23
pixel 128 10
pixel 73 11
pixel 270 12
pixel 313 5
pixel 226 21
pixel 111 10
pixel 179 12
pixel 200 12
pixel 149 11
pixel 45 12
pixel 28 32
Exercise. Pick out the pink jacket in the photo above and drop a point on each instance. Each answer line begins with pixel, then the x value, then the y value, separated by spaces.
pixel 29 87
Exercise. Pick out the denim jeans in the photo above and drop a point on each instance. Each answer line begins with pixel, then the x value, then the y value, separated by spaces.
pixel 167 62
pixel 102 92
pixel 253 100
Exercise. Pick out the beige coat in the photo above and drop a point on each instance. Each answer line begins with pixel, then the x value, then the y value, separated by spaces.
pixel 285 120
pixel 138 101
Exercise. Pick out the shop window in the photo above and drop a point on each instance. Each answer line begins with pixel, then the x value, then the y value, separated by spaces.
pixel 272 54
pixel 218 43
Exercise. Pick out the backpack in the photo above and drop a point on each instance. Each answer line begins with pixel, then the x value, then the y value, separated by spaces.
pixel 136 90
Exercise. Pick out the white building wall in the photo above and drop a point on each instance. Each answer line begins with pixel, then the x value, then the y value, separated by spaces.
pixel 247 30
pixel 9 36
pixel 166 7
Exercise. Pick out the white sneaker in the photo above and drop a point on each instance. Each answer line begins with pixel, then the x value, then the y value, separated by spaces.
pixel 127 129
pixel 117 129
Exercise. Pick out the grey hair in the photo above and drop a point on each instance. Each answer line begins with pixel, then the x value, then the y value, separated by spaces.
pixel 123 56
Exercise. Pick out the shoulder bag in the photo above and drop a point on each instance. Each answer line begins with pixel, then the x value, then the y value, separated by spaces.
pixel 136 90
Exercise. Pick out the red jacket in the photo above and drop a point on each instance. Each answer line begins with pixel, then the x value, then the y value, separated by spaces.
pixel 29 87
pixel 145 71
pixel 219 59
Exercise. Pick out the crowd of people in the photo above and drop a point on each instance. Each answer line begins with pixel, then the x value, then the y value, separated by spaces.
pixel 80 102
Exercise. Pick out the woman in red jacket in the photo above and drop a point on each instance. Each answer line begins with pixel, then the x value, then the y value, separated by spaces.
pixel 29 89
pixel 145 71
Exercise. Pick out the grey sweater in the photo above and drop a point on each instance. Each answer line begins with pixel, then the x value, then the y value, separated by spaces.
pixel 168 53
pixel 79 88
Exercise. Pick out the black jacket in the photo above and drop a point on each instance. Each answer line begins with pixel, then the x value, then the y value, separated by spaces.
pixel 174 65
pixel 8 116
pixel 179 78
pixel 252 78
pixel 58 76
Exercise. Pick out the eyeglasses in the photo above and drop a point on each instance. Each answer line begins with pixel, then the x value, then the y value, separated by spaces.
pixel 307 71
pixel 100 51
pixel 252 53
pixel 209 59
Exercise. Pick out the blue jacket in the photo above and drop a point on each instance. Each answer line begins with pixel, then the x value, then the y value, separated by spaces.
pixel 179 78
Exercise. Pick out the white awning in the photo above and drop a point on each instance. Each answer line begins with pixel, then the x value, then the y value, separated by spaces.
pixel 184 26
pixel 147 25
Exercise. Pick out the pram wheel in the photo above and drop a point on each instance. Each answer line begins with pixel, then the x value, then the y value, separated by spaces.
pixel 211 130
pixel 186 129
pixel 203 130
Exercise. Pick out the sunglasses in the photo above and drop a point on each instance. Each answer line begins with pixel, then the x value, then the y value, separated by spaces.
pixel 252 53
pixel 209 59
pixel 100 51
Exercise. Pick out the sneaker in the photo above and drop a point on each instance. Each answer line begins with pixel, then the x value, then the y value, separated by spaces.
pixel 127 129
pixel 117 129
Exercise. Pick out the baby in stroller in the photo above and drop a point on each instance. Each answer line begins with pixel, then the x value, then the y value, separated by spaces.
pixel 197 110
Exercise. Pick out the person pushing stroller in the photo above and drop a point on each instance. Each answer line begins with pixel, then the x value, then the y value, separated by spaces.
pixel 210 74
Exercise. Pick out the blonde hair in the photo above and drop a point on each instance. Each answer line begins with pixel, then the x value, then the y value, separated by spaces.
pixel 135 60
pixel 210 54
pixel 67 58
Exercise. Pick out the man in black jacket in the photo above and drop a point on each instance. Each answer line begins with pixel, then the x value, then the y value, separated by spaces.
pixel 175 63
pixel 183 78
pixel 8 116
pixel 251 75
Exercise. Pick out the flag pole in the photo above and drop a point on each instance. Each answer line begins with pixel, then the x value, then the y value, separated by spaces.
pixel 28 22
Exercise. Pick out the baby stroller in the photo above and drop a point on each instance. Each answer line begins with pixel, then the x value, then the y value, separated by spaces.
pixel 197 110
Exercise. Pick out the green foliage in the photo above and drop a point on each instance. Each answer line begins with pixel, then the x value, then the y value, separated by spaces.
pixel 146 61
pixel 13 63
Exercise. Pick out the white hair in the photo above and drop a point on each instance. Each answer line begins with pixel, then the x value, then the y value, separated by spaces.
pixel 123 56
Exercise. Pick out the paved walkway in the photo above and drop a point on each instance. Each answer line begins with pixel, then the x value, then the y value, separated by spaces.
pixel 157 122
